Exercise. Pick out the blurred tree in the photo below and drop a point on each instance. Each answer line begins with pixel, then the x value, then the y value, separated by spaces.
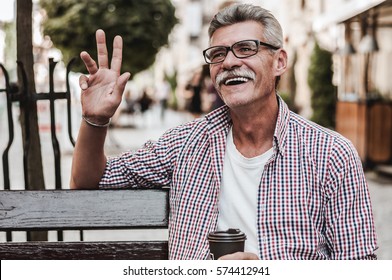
pixel 144 25
pixel 323 92
pixel 10 45
pixel 288 85
pixel 172 79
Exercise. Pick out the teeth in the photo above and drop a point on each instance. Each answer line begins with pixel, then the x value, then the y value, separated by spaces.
pixel 236 80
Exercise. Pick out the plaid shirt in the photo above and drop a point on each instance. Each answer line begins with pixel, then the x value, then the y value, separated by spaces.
pixel 313 199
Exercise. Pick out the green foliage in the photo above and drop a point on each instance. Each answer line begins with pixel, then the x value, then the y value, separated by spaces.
pixel 144 25
pixel 10 46
pixel 172 80
pixel 323 98
pixel 288 100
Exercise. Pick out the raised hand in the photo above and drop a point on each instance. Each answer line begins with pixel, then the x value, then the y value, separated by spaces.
pixel 102 89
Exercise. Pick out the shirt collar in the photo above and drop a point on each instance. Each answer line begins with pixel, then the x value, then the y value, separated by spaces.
pixel 219 120
pixel 282 125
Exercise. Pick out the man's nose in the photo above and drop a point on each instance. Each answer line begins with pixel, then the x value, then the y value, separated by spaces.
pixel 231 60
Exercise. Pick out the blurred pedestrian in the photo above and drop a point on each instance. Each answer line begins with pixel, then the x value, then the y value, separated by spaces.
pixel 216 99
pixel 162 94
pixel 195 86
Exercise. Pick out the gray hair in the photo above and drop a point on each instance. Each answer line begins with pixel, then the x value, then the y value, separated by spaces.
pixel 246 12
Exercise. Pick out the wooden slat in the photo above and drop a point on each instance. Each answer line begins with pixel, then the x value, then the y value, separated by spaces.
pixel 380 133
pixel 83 209
pixel 351 123
pixel 152 250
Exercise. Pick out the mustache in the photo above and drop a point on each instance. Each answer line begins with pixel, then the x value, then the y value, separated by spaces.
pixel 221 77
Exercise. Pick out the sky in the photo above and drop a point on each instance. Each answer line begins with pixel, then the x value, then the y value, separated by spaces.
pixel 7 10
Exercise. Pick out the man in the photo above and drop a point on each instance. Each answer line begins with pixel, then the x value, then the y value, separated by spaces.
pixel 296 189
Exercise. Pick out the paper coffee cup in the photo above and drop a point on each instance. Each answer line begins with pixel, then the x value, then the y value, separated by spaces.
pixel 226 242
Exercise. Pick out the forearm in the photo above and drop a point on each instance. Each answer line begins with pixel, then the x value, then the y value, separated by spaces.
pixel 101 94
pixel 89 159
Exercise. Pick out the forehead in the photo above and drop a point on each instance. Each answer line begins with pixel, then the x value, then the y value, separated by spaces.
pixel 230 34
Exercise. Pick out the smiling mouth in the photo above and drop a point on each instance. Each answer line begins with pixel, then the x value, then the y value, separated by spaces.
pixel 234 77
pixel 235 81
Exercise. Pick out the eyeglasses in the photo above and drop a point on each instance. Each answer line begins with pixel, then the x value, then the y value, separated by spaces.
pixel 241 49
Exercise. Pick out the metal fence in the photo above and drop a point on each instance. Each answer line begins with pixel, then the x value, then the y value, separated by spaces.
pixel 18 93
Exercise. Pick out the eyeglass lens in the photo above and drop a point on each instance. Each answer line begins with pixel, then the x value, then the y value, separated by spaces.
pixel 240 49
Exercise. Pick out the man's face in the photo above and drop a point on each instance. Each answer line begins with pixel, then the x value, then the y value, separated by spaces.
pixel 255 77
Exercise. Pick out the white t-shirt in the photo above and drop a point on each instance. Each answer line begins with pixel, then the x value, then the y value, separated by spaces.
pixel 239 193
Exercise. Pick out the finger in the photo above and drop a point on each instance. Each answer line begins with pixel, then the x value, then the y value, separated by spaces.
pixel 91 66
pixel 121 82
pixel 240 256
pixel 117 54
pixel 229 257
pixel 83 82
pixel 101 49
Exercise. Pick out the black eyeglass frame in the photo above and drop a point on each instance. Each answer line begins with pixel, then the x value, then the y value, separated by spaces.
pixel 258 44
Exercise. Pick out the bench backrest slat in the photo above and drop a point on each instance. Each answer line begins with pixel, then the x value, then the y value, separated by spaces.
pixel 151 250
pixel 83 209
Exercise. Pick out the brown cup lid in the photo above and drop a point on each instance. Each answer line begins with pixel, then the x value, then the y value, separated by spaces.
pixel 230 235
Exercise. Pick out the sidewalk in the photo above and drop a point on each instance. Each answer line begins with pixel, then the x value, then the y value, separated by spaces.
pixel 150 127
pixel 380 188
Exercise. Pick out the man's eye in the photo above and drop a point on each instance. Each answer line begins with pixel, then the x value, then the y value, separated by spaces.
pixel 217 55
pixel 245 49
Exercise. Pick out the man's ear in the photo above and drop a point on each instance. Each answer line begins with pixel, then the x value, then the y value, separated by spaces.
pixel 280 65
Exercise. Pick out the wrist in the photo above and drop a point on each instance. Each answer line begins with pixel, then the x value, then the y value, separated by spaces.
pixel 96 123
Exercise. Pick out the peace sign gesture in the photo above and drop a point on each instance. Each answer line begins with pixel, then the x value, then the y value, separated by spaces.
pixel 102 89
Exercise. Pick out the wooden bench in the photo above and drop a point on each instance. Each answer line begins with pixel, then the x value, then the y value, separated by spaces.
pixel 84 210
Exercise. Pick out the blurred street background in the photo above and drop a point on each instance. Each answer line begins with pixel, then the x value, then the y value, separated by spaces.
pixel 340 52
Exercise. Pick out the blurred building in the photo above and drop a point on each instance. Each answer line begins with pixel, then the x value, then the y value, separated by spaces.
pixel 360 34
